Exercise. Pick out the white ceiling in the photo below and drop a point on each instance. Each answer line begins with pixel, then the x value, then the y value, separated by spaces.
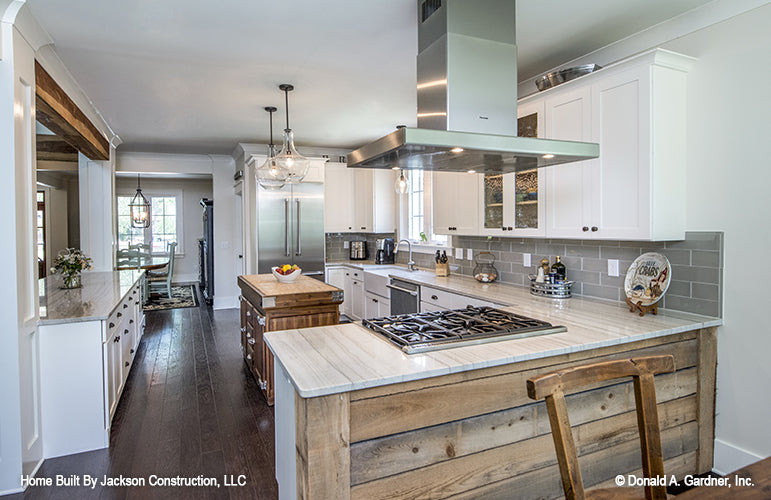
pixel 182 76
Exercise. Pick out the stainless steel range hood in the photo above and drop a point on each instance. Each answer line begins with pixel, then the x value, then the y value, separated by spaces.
pixel 467 98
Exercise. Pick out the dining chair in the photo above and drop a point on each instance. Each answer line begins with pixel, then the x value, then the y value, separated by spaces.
pixel 552 387
pixel 162 278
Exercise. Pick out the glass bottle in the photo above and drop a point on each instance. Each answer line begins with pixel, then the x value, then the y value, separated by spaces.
pixel 559 269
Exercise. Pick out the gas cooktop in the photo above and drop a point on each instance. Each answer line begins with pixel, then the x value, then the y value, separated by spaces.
pixel 429 331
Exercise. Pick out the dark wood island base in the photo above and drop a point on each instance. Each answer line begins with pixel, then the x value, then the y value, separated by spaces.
pixel 269 306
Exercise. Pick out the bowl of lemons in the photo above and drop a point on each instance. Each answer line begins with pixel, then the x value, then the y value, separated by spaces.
pixel 286 273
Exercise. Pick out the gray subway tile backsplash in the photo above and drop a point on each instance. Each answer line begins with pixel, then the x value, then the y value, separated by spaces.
pixel 697 265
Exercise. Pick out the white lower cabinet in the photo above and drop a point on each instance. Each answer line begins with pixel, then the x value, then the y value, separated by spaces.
pixel 335 276
pixel 376 306
pixel 357 298
pixel 83 369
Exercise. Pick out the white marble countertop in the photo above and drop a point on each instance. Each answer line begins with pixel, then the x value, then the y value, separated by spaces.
pixel 95 300
pixel 333 359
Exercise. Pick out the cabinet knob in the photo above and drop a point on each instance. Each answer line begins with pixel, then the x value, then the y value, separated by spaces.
pixel 119 315
pixel 131 322
pixel 125 306
pixel 249 357
pixel 125 332
pixel 434 297
pixel 127 363
pixel 248 314
pixel 252 341
pixel 243 329
pixel 374 300
pixel 117 338
pixel 364 227
pixel 132 351
pixel 112 325
pixel 585 228
pixel 595 229
pixel 503 228
pixel 511 228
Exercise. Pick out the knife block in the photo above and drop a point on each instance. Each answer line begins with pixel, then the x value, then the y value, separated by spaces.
pixel 442 269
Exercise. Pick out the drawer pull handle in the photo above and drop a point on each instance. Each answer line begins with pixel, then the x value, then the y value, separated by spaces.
pixel 595 229
pixel 374 300
pixel 117 338
pixel 585 228
pixel 434 297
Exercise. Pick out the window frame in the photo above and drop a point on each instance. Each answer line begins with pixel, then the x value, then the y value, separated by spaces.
pixel 177 194
pixel 403 231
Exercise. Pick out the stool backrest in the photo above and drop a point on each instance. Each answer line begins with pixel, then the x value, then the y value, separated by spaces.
pixel 552 387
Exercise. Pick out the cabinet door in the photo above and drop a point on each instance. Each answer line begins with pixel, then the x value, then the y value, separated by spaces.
pixel 569 186
pixel 112 353
pixel 384 308
pixel 347 292
pixel 428 307
pixel 620 124
pixel 491 197
pixel 363 199
pixel 357 299
pixel 371 305
pixel 338 198
pixel 384 201
pixel 455 203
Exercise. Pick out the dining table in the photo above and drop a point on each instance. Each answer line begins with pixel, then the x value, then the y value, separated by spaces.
pixel 153 263
pixel 752 482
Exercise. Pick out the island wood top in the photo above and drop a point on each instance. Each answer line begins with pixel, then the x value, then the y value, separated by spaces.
pixel 272 293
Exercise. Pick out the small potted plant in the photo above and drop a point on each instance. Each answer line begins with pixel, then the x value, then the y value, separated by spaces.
pixel 69 263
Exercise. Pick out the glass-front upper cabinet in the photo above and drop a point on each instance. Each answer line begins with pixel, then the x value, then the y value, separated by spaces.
pixel 510 202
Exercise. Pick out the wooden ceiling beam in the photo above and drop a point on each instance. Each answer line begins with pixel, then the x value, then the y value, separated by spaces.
pixel 54 148
pixel 57 112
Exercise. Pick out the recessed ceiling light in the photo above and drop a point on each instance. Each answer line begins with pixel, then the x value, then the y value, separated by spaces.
pixel 456 150
pixel 548 157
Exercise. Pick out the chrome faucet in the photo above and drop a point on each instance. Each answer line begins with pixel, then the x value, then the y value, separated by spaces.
pixel 411 263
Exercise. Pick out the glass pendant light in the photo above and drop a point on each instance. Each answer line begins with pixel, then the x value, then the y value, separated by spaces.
pixel 272 175
pixel 401 184
pixel 139 209
pixel 288 158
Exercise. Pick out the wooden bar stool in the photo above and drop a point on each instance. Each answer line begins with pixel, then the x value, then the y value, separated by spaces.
pixel 552 387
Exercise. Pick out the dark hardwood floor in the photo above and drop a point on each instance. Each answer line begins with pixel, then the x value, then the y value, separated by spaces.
pixel 189 408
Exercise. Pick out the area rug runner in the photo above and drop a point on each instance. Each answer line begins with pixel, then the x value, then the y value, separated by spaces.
pixel 181 296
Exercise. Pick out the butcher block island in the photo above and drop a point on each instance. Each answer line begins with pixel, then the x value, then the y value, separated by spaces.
pixel 269 306
pixel 358 418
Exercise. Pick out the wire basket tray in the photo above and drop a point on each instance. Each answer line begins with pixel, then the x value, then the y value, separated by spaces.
pixel 552 290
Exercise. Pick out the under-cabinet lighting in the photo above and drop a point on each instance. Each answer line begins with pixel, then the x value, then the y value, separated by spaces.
pixel 456 150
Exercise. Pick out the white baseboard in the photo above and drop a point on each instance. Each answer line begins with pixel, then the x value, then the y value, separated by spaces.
pixel 225 302
pixel 185 278
pixel 728 458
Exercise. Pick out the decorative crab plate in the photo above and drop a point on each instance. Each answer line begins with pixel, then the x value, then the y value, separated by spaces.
pixel 647 279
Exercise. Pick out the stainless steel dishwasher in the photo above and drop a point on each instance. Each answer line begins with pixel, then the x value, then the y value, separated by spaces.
pixel 405 297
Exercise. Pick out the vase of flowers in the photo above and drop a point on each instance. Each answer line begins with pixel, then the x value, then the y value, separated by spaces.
pixel 69 263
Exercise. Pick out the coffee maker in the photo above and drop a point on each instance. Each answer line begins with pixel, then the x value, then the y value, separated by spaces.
pixel 385 251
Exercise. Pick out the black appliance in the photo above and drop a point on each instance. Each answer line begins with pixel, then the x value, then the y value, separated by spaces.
pixel 206 251
pixel 385 251
pixel 430 331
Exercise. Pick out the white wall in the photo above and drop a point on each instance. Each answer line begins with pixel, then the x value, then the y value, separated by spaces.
pixel 728 179
pixel 191 191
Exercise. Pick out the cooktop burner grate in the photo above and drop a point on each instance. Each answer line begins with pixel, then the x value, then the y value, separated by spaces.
pixel 429 331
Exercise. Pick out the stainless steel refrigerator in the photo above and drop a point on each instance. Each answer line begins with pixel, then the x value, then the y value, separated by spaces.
pixel 290 228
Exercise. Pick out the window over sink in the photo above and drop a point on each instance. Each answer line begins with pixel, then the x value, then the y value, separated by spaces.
pixel 415 220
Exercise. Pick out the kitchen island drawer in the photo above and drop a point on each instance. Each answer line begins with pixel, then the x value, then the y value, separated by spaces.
pixel 441 298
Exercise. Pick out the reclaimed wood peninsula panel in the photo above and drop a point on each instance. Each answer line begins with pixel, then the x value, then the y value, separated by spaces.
pixel 477 434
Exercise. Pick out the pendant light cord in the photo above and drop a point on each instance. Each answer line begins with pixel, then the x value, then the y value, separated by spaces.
pixel 271 131
pixel 286 103
pixel 138 189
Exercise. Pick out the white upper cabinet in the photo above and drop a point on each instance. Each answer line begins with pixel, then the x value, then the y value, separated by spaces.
pixel 635 190
pixel 358 200
pixel 455 203
pixel 338 198
pixel 513 204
